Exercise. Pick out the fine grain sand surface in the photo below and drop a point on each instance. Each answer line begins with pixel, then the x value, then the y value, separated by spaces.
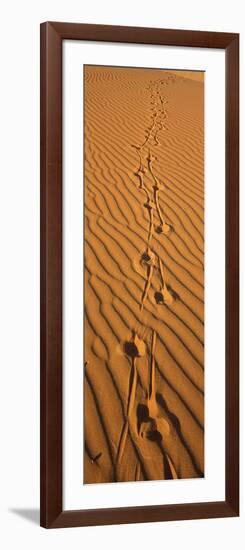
pixel 144 274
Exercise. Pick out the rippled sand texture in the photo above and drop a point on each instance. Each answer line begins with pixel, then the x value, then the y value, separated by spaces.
pixel 144 258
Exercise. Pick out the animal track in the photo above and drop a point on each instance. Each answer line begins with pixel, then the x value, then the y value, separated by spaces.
pixel 150 424
pixel 152 204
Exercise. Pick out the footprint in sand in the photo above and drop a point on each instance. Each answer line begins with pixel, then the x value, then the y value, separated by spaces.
pixel 150 423
pixel 164 228
pixel 148 258
pixel 134 349
pixel 149 205
pixel 140 171
pixel 166 295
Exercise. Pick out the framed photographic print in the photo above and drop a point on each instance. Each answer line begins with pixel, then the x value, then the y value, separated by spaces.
pixel 139 274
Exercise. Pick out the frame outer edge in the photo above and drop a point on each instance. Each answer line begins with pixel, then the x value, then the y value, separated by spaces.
pixel 117 516
pixel 51 277
pixel 52 515
pixel 42 273
pixel 143 35
pixel 232 274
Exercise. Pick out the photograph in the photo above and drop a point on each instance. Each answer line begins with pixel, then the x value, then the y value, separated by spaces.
pixel 144 291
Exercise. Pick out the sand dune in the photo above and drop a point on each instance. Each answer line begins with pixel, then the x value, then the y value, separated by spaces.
pixel 144 275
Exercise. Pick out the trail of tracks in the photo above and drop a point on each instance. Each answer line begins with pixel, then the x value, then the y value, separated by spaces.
pixel 146 160
pixel 165 296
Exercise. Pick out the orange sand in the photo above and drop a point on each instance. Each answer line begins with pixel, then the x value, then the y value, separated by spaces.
pixel 144 260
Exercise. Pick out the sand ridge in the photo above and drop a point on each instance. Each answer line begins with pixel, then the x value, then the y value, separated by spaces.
pixel 144 268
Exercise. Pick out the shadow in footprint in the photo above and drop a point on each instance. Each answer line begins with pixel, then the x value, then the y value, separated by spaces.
pixel 159 297
pixel 142 415
pixel 174 294
pixel 145 257
pixel 148 258
pixel 135 347
pixel 154 435
pixel 130 349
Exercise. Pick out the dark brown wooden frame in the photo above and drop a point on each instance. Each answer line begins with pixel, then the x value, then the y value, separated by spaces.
pixel 52 35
